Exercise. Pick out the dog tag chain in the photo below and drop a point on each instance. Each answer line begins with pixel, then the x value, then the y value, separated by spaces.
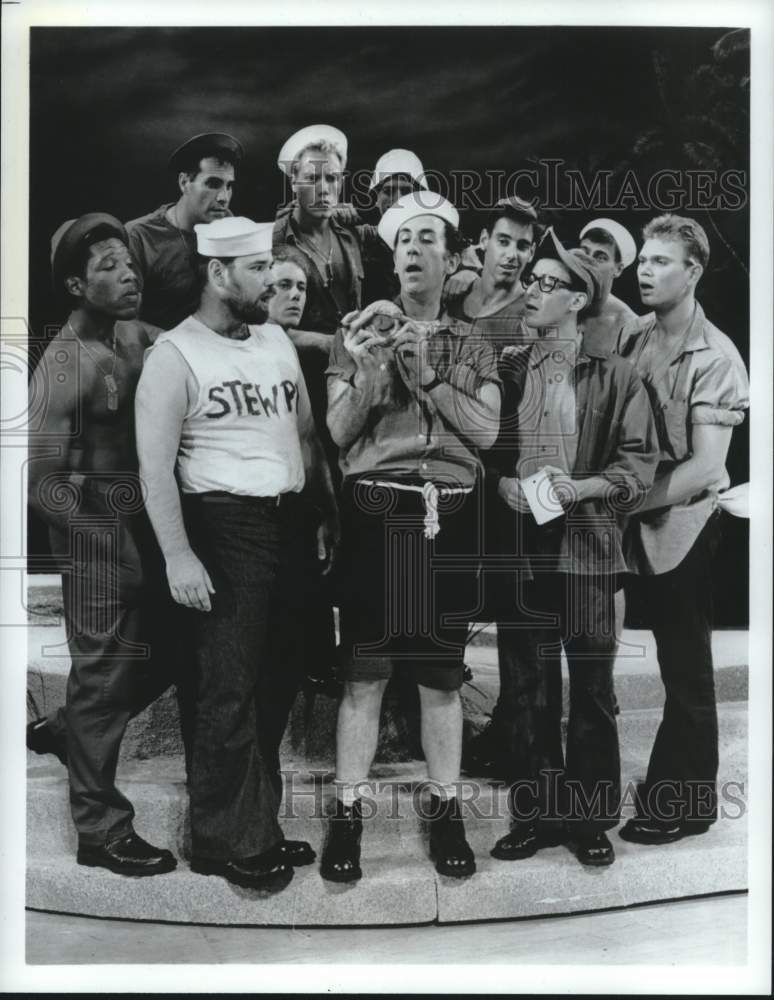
pixel 108 377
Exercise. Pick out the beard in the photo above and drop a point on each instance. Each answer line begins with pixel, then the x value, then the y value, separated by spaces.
pixel 249 311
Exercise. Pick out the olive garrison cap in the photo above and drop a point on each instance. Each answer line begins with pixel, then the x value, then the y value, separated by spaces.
pixel 75 234
pixel 218 144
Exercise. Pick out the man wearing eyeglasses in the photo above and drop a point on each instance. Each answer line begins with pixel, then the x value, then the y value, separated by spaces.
pixel 576 450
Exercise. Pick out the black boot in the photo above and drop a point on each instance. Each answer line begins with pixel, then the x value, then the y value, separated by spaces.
pixel 341 855
pixel 41 740
pixel 448 846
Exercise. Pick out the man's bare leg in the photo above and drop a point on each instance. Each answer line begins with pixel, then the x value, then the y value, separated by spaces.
pixel 442 743
pixel 357 735
pixel 441 733
pixel 357 730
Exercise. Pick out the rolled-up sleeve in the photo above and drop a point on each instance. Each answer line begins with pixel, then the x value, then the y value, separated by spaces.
pixel 637 451
pixel 340 364
pixel 720 393
pixel 474 366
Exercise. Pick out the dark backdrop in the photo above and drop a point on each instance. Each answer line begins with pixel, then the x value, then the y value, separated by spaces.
pixel 108 105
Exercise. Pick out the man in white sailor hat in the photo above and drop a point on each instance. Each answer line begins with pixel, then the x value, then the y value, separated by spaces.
pixel 314 159
pixel 411 400
pixel 612 248
pixel 397 172
pixel 226 443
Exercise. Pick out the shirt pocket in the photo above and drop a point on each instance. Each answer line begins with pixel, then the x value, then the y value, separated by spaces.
pixel 674 419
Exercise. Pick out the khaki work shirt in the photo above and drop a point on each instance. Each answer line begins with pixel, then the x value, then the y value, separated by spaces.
pixel 407 437
pixel 704 382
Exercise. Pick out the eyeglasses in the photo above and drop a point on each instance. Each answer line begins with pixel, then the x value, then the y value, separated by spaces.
pixel 546 282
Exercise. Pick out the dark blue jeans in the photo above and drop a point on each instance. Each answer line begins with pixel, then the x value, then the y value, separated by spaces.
pixel 682 774
pixel 248 664
pixel 583 786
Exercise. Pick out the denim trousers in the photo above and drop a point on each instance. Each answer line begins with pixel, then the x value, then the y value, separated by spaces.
pixel 248 659
pixel 581 786
pixel 124 647
pixel 681 782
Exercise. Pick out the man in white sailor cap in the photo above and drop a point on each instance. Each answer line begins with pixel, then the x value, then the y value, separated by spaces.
pixel 226 443
pixel 397 172
pixel 163 242
pixel 612 248
pixel 314 159
pixel 411 400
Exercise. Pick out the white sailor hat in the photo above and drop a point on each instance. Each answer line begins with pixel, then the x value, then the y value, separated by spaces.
pixel 411 205
pixel 305 137
pixel 398 161
pixel 235 236
pixel 623 238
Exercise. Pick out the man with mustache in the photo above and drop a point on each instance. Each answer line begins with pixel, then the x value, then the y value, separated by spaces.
pixel 84 485
pixel 612 248
pixel 699 391
pixel 411 399
pixel 580 422
pixel 163 242
pixel 226 443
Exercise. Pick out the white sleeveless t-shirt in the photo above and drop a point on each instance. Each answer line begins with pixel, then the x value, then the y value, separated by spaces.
pixel 240 433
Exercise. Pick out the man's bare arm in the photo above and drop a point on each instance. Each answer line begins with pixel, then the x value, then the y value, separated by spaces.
pixel 475 416
pixel 160 407
pixel 350 400
pixel 56 383
pixel 319 484
pixel 308 340
pixel 705 467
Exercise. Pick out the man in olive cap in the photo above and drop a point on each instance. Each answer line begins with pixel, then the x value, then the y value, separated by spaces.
pixel 112 576
pixel 612 248
pixel 163 242
pixel 577 450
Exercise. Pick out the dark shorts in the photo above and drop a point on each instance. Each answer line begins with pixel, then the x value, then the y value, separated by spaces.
pixel 405 600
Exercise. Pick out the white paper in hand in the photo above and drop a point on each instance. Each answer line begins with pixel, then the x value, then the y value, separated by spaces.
pixel 541 497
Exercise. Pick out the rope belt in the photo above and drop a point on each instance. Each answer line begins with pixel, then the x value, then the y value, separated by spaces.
pixel 430 493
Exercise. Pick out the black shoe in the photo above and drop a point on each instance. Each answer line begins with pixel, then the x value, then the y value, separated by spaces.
pixel 481 755
pixel 328 686
pixel 41 740
pixel 595 850
pixel 643 830
pixel 297 852
pixel 524 840
pixel 341 855
pixel 269 872
pixel 129 855
pixel 448 846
